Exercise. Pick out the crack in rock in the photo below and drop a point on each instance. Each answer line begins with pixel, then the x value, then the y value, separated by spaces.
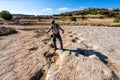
pixel 51 57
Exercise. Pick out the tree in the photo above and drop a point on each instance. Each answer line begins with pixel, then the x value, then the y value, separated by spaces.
pixel 105 12
pixel 82 16
pixel 6 15
pixel 73 18
pixel 69 14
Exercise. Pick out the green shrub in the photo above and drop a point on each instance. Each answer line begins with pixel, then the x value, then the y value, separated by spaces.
pixel 105 12
pixel 112 14
pixel 55 15
pixel 116 19
pixel 6 15
pixel 101 17
pixel 73 18
pixel 69 14
pixel 62 14
pixel 82 16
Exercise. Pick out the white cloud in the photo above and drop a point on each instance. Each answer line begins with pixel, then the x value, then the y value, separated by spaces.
pixel 63 9
pixel 47 9
pixel 83 7
pixel 80 8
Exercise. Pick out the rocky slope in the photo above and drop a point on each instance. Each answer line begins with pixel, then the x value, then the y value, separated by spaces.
pixel 91 53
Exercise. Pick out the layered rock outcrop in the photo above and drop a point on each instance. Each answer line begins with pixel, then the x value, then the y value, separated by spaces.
pixel 90 53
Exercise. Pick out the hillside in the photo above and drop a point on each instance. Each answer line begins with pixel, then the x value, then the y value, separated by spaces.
pixel 91 53
pixel 93 11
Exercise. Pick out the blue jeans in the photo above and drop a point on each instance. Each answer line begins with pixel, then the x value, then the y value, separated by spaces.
pixel 59 38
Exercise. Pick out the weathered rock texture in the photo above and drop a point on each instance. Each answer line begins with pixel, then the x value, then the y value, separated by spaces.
pixel 90 53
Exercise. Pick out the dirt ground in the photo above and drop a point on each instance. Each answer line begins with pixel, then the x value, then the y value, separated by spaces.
pixel 21 54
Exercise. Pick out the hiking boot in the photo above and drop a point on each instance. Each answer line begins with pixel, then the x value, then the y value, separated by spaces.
pixel 55 48
pixel 62 49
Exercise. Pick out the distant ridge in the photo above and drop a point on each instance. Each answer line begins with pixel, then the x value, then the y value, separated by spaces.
pixel 21 15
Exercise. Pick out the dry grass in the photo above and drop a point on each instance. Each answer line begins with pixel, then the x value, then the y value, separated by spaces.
pixel 93 20
pixel 7 31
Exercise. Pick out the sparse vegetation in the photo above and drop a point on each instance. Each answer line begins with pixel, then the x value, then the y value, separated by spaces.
pixel 7 31
pixel 116 19
pixel 65 14
pixel 94 11
pixel 82 16
pixel 89 16
pixel 73 18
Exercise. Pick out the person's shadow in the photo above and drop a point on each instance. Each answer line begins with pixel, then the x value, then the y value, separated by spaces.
pixel 88 53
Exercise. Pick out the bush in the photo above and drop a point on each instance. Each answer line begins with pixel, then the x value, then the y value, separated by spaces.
pixel 6 15
pixel 7 31
pixel 105 12
pixel 112 14
pixel 82 16
pixel 101 17
pixel 62 14
pixel 116 19
pixel 69 14
pixel 55 15
pixel 73 18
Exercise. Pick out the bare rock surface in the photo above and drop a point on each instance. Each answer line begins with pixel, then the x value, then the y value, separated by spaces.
pixel 90 53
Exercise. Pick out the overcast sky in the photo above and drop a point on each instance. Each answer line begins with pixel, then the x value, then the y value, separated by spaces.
pixel 48 7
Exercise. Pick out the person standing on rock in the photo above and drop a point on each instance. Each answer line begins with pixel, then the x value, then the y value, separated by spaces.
pixel 56 33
